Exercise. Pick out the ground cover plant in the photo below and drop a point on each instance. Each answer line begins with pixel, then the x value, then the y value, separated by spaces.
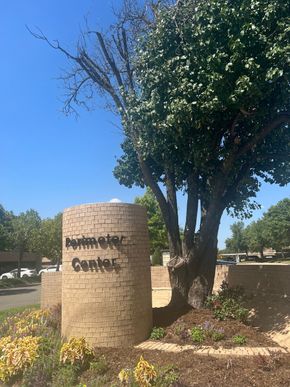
pixel 224 322
pixel 33 354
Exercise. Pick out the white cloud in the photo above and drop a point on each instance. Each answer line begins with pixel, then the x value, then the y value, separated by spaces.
pixel 115 200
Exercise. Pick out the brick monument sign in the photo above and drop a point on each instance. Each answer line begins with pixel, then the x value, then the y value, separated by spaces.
pixel 106 281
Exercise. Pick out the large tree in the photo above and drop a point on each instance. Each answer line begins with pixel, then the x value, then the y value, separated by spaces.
pixel 6 241
pixel 25 233
pixel 202 89
pixel 276 223
pixel 237 243
pixel 157 230
pixel 256 236
pixel 49 241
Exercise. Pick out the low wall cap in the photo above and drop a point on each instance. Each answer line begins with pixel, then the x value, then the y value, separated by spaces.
pixel 104 204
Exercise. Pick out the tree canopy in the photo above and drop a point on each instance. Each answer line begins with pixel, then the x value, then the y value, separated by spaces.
pixel 238 242
pixel 27 232
pixel 202 89
pixel 277 225
pixel 272 230
pixel 156 226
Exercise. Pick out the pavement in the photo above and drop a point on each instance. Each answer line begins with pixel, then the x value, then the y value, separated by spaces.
pixel 205 350
pixel 14 297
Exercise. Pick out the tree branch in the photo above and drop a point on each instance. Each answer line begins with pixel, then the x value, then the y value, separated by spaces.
pixel 282 118
pixel 191 212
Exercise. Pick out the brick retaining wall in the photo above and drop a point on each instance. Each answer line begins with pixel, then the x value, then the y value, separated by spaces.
pixel 255 278
pixel 271 279
pixel 50 289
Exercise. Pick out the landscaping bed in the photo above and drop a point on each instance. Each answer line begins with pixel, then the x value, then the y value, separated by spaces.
pixel 44 360
pixel 19 282
pixel 201 324
pixel 223 323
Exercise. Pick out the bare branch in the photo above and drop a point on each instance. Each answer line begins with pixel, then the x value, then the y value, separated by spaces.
pixel 54 44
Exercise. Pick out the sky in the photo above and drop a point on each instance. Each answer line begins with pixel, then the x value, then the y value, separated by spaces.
pixel 49 161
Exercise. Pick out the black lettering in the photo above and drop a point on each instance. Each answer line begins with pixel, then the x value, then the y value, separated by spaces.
pixel 106 262
pixel 93 265
pixel 85 265
pixel 122 238
pixel 100 262
pixel 102 240
pixel 108 238
pixel 76 264
pixel 73 243
pixel 114 262
pixel 115 240
pixel 67 242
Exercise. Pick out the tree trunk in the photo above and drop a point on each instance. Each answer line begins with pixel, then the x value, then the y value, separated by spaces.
pixel 58 263
pixel 20 257
pixel 193 280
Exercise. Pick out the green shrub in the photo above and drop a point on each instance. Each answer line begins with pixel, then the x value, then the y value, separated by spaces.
pixel 197 334
pixel 157 258
pixel 100 366
pixel 166 376
pixel 228 304
pixel 239 339
pixel 157 333
pixel 217 335
pixel 95 381
pixel 64 376
pixel 40 374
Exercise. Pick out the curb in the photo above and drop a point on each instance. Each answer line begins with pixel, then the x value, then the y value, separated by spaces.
pixel 210 351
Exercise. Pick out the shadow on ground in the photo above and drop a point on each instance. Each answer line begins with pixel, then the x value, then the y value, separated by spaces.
pixel 12 292
pixel 272 315
pixel 165 316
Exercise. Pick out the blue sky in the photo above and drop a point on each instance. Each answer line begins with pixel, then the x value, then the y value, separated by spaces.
pixel 49 161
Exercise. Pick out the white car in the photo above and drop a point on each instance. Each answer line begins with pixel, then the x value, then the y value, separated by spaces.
pixel 49 269
pixel 24 273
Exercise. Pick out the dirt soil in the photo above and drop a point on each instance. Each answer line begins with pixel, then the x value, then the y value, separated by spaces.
pixel 206 371
pixel 179 331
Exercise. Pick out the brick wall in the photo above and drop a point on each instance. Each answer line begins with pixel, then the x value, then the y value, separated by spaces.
pixel 160 277
pixel 50 289
pixel 108 306
pixel 272 279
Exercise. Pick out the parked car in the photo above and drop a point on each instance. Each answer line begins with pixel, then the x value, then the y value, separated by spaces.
pixel 49 269
pixel 253 258
pixel 24 273
pixel 225 262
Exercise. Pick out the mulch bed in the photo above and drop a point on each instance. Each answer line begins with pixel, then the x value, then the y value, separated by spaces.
pixel 178 332
pixel 201 371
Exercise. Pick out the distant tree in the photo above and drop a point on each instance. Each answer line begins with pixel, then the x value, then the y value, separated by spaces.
pixel 238 242
pixel 256 236
pixel 49 242
pixel 6 241
pixel 156 226
pixel 277 225
pixel 202 90
pixel 26 234
pixel 157 258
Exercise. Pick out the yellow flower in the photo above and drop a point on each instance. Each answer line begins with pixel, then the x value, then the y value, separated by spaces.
pixel 17 355
pixel 75 351
pixel 144 373
pixel 124 376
